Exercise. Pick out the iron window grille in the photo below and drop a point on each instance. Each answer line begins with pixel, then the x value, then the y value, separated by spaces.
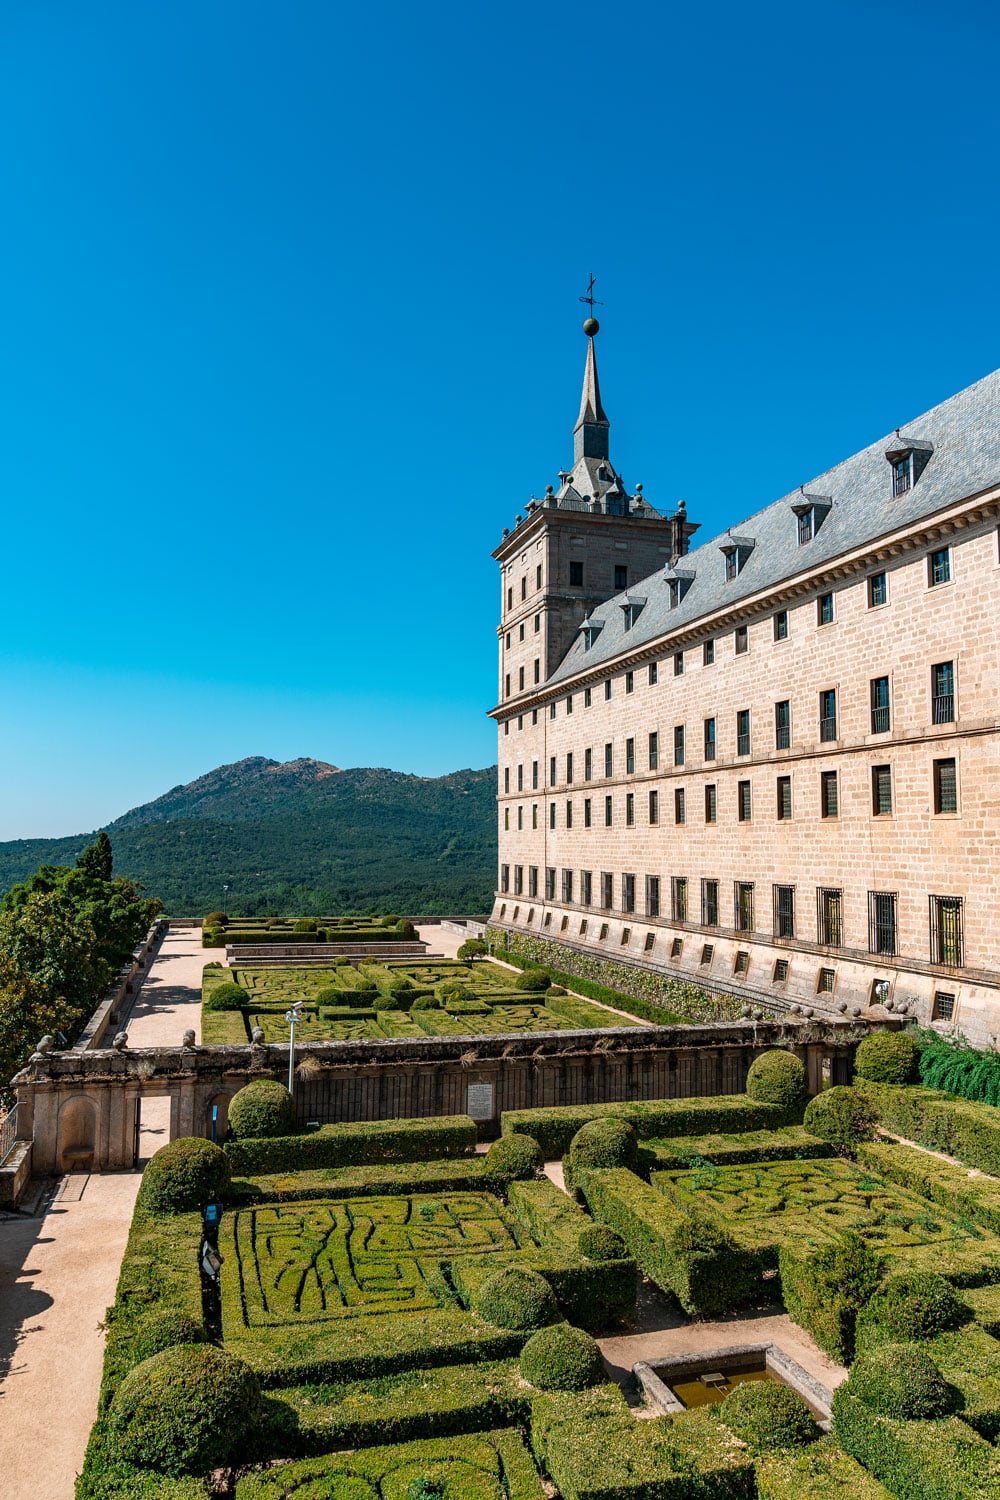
pixel 880 705
pixel 943 692
pixel 825 981
pixel 782 724
pixel 742 963
pixel 743 732
pixel 650 942
pixel 743 803
pixel 609 760
pixel 567 886
pixel 678 898
pixel 628 893
pixel 676 947
pixel 652 896
pixel 946 930
pixel 780 971
pixel 607 892
pixel 707 954
pixel 505 878
pixel 679 805
pixel 552 770
pixel 711 803
pixel 828 714
pixel 709 903
pixel 945 786
pixel 629 809
pixel 829 917
pixel 882 922
pixel 533 881
pixel 784 798
pixel 550 884
pixel 586 891
pixel 881 790
pixel 603 932
pixel 783 899
pixel 944 1006
pixel 654 807
pixel 828 794
pixel 743 890
pixel 630 757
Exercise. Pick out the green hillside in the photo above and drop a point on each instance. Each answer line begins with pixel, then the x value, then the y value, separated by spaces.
pixel 301 837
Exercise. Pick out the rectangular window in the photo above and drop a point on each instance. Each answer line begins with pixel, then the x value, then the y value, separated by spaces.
pixel 630 757
pixel 587 697
pixel 505 878
pixel 534 716
pixel 825 981
pixel 506 778
pixel 569 767
pixel 586 888
pixel 744 905
pixel 510 598
pixel 567 886
pixel 711 805
pixel 829 917
pixel 828 794
pixel 784 789
pixel 569 703
pixel 679 745
pixel 742 963
pixel 902 474
pixel 575 575
pixel 626 936
pixel 534 776
pixel 550 884
pixel 743 801
pixel 780 975
pixel 628 893
pixel 708 654
pixel 518 880
pixel 945 786
pixel 506 691
pixel 621 576
pixel 609 760
pixel 732 564
pixel 629 809
pixel 828 714
pixel 782 724
pixel 569 815
pixel 534 815
pixel 880 705
pixel 939 567
pixel 607 690
pixel 607 892
pixel 881 790
pixel 520 679
pixel 538 623
pixel 709 739
pixel 552 709
pixel 781 625
pixel 653 673
pixel 805 526
pixel 654 807
pixel 824 609
pixel 943 692
pixel 878 590
pixel 679 805
pixel 520 778
pixel 678 663
pixel 654 751
pixel 944 1006
pixel 709 903
pixel 679 898
pixel 520 818
pixel 538 575
pixel 882 922
pixel 743 732
pixel 783 898
pixel 652 895
pixel 532 880
pixel 629 682
pixel 742 640
pixel 524 588
pixel 946 930
pixel 552 815
pixel 588 765
pixel 650 942
pixel 587 812
pixel 707 954
pixel 607 812
pixel 552 770
pixel 506 819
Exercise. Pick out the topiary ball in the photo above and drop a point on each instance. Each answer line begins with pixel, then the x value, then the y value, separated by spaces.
pixel 901 1381
pixel 768 1416
pixel 187 1410
pixel 330 995
pixel 387 1002
pixel 426 1002
pixel 843 1116
pixel 912 1305
pixel 226 997
pixel 261 1109
pixel 514 1158
pixel 305 924
pixel 598 1243
pixel 887 1057
pixel 517 1298
pixel 608 1142
pixel 163 1329
pixel 562 1358
pixel 184 1176
pixel 777 1077
pixel 533 980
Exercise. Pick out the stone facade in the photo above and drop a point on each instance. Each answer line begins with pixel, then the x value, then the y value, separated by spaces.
pixel 671 770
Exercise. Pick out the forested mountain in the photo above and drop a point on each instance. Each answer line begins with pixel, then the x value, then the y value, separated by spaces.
pixel 301 837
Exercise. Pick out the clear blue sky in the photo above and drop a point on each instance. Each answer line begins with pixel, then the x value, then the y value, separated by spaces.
pixel 290 331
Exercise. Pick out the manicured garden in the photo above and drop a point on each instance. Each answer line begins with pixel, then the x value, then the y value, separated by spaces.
pixel 218 930
pixel 401 1317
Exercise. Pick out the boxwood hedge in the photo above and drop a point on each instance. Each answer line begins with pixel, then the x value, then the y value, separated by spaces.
pixel 358 1143
pixel 555 1128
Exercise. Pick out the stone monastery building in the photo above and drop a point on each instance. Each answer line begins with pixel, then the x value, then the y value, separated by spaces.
pixel 770 763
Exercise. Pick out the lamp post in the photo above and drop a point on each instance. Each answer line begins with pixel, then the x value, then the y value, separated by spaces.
pixel 291 1016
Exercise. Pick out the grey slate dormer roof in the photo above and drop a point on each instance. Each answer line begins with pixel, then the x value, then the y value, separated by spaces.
pixel 964 434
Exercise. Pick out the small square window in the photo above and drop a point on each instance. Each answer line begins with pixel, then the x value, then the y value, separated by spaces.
pixel 780 971
pixel 781 625
pixel 939 567
pixel 878 590
pixel 707 954
pixel 742 640
pixel 650 941
pixel 708 654
pixel 676 947
pixel 825 981
pixel 742 964
pixel 944 1006
pixel 824 609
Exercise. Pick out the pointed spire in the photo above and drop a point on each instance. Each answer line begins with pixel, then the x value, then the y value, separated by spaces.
pixel 592 430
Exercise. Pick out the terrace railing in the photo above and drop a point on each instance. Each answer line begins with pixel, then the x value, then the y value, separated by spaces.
pixel 8 1134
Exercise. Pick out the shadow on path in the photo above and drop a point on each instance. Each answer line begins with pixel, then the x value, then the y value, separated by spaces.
pixel 20 1301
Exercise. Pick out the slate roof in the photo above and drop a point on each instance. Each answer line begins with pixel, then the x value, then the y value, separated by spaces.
pixel 965 434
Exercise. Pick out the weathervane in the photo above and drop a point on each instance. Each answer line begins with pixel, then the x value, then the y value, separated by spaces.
pixel 591 325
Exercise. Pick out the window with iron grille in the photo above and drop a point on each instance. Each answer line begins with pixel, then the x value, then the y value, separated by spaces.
pixel 505 878
pixel 781 625
pixel 626 936
pixel 880 705
pixel 943 692
pixel 652 895
pixel 654 673
pixel 650 942
pixel 603 932
pixel 939 567
pixel 654 807
pixel 782 724
pixel 711 803
pixel 608 812
pixel 828 794
pixel 824 609
pixel 828 714
pixel 552 815
pixel 707 954
pixel 709 739
pixel 944 1006
pixel 630 757
pixel 629 682
pixel 676 947
pixel 678 744
pixel 550 884
pixel 880 991
pixel 678 663
pixel 784 789
pixel 679 805
pixel 783 899
pixel 708 654
pixel 679 898
pixel 946 930
pixel 825 981
pixel 629 809
pixel 607 891
pixel 583 925
pixel 709 903
pixel 654 751
pixel 569 767
pixel 780 971
pixel 567 886
pixel 744 905
pixel 881 790
pixel 609 760
pixel 742 964
pixel 829 916
pixel 882 922
pixel 586 888
pixel 552 770
pixel 743 806
pixel 533 880
pixel 588 765
pixel 518 880
pixel 878 590
pixel 742 640
pixel 743 732
pixel 945 786
pixel 628 893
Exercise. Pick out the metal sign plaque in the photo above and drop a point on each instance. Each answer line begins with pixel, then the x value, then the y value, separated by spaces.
pixel 479 1101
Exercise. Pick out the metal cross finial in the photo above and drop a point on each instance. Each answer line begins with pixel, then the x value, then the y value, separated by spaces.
pixel 590 299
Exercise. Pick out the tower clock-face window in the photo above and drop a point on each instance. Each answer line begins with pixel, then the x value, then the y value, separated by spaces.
pixel 576 575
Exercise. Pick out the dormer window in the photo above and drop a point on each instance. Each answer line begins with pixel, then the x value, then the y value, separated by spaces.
pixel 677 586
pixel 902 475
pixel 908 457
pixel 736 550
pixel 810 513
pixel 631 609
pixel 674 592
pixel 591 629
pixel 732 562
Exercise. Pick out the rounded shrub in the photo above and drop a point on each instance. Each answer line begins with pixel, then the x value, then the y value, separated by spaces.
pixel 911 1305
pixel 305 924
pixel 562 1358
pixel 777 1077
pixel 608 1142
pixel 426 1002
pixel 389 921
pixel 216 919
pixel 364 984
pixel 598 1243
pixel 163 1329
pixel 405 928
pixel 887 1057
pixel 842 1116
pixel 262 1108
pixel 901 1381
pixel 387 1002
pixel 768 1416
pixel 517 1298
pixel 329 995
pixel 226 997
pixel 513 1158
pixel 186 1410
pixel 183 1176
pixel 534 981
pixel 399 984
pixel 472 948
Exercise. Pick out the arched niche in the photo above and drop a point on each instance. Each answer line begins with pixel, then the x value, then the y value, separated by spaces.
pixel 77 1133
